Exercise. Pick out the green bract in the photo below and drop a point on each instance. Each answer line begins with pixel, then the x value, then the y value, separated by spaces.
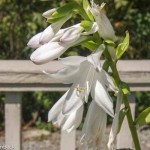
pixel 122 47
pixel 86 25
pixel 144 117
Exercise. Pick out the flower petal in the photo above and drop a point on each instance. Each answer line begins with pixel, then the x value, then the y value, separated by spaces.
pixel 94 126
pixel 114 128
pixel 66 75
pixel 107 80
pixel 34 41
pixel 94 58
pixel 74 119
pixel 72 60
pixel 56 109
pixel 100 94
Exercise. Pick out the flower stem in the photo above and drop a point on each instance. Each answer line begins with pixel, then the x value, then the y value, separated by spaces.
pixel 125 100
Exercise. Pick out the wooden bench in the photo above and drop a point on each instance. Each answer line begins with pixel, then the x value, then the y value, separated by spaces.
pixel 18 76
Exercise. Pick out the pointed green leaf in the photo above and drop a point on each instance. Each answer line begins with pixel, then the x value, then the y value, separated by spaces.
pixel 91 45
pixel 110 43
pixel 87 25
pixel 86 7
pixel 64 10
pixel 122 115
pixel 144 117
pixel 122 47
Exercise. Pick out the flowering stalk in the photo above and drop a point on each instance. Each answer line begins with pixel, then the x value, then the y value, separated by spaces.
pixel 125 100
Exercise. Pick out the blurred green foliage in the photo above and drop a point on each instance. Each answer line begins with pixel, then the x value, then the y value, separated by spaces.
pixel 21 19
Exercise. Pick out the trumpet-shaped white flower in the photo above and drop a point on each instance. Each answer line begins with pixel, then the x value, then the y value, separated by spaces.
pixel 51 30
pixel 67 122
pixel 48 13
pixel 51 50
pixel 115 125
pixel 94 127
pixel 105 30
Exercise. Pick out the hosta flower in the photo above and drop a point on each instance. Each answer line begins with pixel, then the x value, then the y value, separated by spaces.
pixel 115 125
pixel 105 30
pixel 67 122
pixel 52 29
pixel 48 13
pixel 94 127
pixel 51 50
pixel 86 75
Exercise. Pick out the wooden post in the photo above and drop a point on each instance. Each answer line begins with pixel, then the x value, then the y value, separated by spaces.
pixel 13 120
pixel 124 138
pixel 68 140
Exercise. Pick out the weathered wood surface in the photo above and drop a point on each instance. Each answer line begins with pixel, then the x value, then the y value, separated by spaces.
pixel 22 75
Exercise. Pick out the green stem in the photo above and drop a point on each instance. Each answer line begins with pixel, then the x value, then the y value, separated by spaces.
pixel 125 100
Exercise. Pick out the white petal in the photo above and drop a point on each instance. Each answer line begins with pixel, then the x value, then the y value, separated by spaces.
pixel 48 13
pixel 114 129
pixel 100 94
pixel 56 109
pixel 34 41
pixel 73 120
pixel 94 58
pixel 107 80
pixel 72 102
pixel 72 60
pixel 94 126
pixel 48 52
pixel 51 30
pixel 66 75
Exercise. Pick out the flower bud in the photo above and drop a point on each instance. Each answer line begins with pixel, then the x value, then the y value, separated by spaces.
pixel 34 41
pixel 48 13
pixel 51 30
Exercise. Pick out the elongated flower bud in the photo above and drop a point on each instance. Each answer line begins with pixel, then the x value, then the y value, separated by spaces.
pixel 71 35
pixel 106 30
pixel 34 41
pixel 48 13
pixel 51 30
pixel 51 51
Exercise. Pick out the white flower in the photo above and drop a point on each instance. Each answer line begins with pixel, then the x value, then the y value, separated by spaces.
pixel 48 13
pixel 67 122
pixel 51 30
pixel 106 30
pixel 94 127
pixel 86 75
pixel 34 42
pixel 115 125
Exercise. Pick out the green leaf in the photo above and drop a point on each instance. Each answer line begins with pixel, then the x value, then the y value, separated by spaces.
pixel 91 45
pixel 122 114
pixel 144 117
pixel 110 43
pixel 64 10
pixel 86 6
pixel 122 47
pixel 87 25
pixel 125 87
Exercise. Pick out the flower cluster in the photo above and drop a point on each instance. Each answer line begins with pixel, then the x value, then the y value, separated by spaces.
pixel 67 113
